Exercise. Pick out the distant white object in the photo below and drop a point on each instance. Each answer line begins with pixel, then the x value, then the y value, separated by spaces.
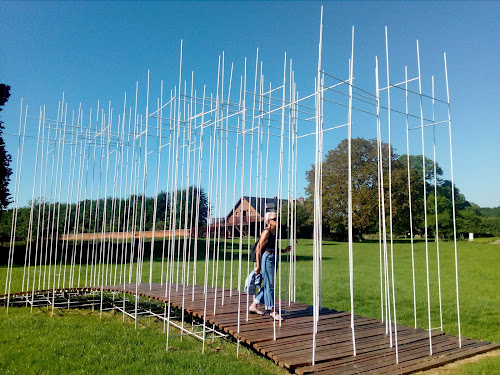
pixel 471 236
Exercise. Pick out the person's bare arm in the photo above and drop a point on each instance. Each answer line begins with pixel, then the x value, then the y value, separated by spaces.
pixel 260 248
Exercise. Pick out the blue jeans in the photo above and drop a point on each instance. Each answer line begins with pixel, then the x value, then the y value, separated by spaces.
pixel 267 270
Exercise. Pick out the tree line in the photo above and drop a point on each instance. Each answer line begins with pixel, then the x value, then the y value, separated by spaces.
pixel 122 215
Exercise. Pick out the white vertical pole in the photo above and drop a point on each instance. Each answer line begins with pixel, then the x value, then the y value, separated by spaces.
pixel 131 200
pixel 188 168
pixel 317 202
pixel 198 192
pixel 351 265
pixel 81 167
pixel 250 177
pixel 181 191
pixel 241 202
pixel 295 190
pixel 436 208
pixel 168 193
pixel 155 205
pixel 216 243
pixel 225 185
pixel 58 212
pixel 43 192
pixel 453 202
pixel 205 279
pixel 390 194
pixel 120 223
pixel 39 234
pixel 50 224
pixel 379 190
pixel 67 214
pixel 167 185
pixel 30 224
pixel 409 201
pixel 289 199
pixel 104 210
pixel 98 262
pixel 425 202
pixel 38 237
pixel 94 140
pixel 86 168
pixel 111 248
pixel 194 173
pixel 277 258
pixel 234 190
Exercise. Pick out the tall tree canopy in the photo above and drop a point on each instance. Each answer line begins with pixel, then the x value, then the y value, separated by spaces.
pixel 416 164
pixel 365 197
pixel 5 158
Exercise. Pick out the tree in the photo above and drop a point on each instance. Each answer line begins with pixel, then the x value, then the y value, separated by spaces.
pixel 491 225
pixel 5 158
pixel 416 165
pixel 303 218
pixel 364 177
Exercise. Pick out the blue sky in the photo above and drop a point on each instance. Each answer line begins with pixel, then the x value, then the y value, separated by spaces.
pixel 98 50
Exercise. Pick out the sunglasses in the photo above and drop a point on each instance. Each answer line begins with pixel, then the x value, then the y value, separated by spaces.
pixel 273 219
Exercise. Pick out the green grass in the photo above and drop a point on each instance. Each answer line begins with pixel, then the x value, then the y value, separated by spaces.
pixel 78 342
pixel 478 263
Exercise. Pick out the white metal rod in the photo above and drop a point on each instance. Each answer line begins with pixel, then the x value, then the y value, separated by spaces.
pixel 453 202
pixel 410 205
pixel 425 207
pixel 317 206
pixel 349 156
pixel 436 209
pixel 390 196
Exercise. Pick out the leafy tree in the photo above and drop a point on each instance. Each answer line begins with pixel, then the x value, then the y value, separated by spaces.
pixel 401 203
pixel 486 211
pixel 470 221
pixel 365 196
pixel 416 165
pixel 491 225
pixel 303 218
pixel 5 158
pixel 445 190
pixel 191 207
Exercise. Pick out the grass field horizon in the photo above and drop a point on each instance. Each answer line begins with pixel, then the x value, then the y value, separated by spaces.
pixel 478 264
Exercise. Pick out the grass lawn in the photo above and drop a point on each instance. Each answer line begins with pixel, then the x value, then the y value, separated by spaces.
pixel 78 342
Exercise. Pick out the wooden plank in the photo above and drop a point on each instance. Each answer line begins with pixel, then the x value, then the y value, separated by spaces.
pixel 379 354
pixel 426 363
pixel 382 360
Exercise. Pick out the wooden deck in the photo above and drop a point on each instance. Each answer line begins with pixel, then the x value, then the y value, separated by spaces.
pixel 292 347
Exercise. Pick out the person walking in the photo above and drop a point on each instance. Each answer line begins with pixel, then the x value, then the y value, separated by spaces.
pixel 267 265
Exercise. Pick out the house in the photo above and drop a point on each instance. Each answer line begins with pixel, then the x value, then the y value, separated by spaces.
pixel 247 216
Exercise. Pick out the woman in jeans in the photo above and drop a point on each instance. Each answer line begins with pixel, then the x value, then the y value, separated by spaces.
pixel 267 264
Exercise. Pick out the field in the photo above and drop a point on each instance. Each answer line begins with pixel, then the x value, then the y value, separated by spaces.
pixel 78 342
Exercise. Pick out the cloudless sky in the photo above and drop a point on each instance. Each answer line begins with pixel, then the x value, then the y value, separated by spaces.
pixel 98 50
